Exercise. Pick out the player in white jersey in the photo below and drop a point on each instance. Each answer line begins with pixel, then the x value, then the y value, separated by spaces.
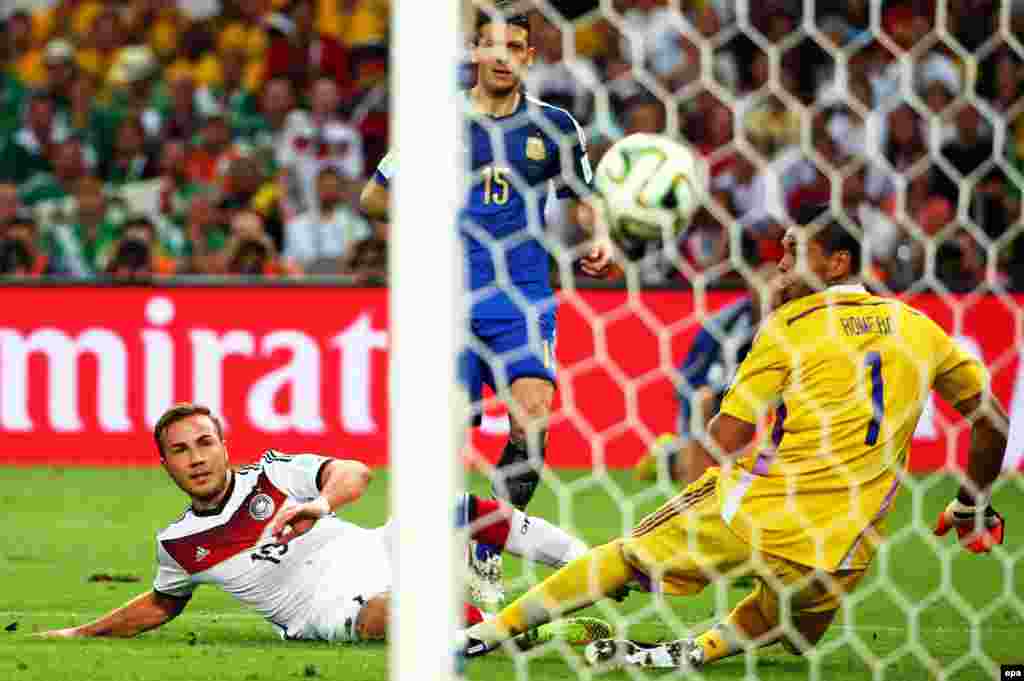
pixel 266 533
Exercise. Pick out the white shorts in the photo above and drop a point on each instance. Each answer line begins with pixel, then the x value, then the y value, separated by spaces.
pixel 354 571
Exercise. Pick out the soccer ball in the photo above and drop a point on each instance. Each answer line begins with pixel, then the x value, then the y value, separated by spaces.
pixel 651 187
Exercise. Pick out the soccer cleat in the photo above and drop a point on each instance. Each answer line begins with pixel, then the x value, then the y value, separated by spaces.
pixel 576 631
pixel 485 579
pixel 612 654
pixel 466 646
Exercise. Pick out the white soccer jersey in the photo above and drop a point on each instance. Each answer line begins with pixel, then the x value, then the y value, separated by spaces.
pixel 311 587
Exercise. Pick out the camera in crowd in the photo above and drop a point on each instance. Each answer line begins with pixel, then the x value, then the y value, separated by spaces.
pixel 133 255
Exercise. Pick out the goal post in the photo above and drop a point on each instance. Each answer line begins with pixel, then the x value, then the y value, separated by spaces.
pixel 792 104
pixel 425 283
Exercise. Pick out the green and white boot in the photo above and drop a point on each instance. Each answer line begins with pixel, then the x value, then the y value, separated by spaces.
pixel 576 631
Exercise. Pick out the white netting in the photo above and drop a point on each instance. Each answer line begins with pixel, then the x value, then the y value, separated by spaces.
pixel 907 119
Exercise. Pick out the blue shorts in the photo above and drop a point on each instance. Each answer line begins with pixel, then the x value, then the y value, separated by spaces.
pixel 500 352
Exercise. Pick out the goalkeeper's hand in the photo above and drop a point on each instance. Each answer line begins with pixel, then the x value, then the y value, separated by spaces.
pixel 979 530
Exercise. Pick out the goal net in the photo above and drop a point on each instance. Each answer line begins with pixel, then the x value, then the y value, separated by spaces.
pixel 905 118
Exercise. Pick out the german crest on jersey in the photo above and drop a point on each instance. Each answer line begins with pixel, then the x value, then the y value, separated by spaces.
pixel 261 507
pixel 535 149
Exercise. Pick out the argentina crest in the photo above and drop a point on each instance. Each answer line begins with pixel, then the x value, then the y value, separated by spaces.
pixel 535 149
pixel 261 507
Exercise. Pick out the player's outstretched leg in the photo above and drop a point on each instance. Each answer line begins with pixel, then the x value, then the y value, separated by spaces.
pixel 496 527
pixel 754 622
pixel 599 572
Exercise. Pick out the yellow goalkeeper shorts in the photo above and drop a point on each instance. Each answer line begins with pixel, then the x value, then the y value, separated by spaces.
pixel 685 544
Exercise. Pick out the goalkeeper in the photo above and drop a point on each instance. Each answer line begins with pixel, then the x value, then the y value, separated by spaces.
pixel 848 374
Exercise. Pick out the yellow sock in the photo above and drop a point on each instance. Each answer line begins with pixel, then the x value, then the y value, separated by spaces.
pixel 582 582
pixel 716 644
pixel 746 622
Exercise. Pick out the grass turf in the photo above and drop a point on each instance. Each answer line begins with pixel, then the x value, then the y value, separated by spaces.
pixel 911 618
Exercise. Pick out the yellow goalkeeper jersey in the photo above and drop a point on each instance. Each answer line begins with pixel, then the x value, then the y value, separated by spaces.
pixel 848 374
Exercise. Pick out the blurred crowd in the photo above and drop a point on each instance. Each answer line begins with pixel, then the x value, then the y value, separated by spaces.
pixel 917 140
pixel 147 138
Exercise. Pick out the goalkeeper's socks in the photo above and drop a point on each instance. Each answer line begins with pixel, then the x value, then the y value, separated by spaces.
pixel 716 643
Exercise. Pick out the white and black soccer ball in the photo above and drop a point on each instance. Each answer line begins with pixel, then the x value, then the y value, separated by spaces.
pixel 651 187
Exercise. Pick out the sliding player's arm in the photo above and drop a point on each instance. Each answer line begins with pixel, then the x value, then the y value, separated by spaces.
pixel 756 390
pixel 375 199
pixel 147 611
pixel 963 382
pixel 327 483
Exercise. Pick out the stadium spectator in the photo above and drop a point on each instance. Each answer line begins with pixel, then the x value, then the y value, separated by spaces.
pixel 320 239
pixel 570 84
pixel 313 138
pixel 906 143
pixel 210 157
pixel 265 133
pixel 367 260
pixel 645 114
pixel 251 252
pixel 207 234
pixel 131 160
pixel 651 42
pixel 184 119
pixel 228 91
pixel 318 52
pixel 970 147
pixel 69 166
pixel 10 204
pixel 176 188
pixel 82 246
pixel 133 81
pixel 105 38
pixel 24 58
pixel 12 93
pixel 772 126
pixel 938 82
pixel 246 187
pixel 20 254
pixel 1001 80
pixel 28 150
pixel 136 254
pixel 61 72
pixel 87 119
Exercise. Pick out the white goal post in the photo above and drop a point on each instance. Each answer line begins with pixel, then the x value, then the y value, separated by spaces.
pixel 424 284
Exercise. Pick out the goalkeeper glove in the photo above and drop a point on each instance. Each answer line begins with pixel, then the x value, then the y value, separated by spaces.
pixel 978 533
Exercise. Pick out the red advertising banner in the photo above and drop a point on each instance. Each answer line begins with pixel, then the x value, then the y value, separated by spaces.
pixel 85 372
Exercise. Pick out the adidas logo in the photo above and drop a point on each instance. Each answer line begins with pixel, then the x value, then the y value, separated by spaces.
pixel 201 553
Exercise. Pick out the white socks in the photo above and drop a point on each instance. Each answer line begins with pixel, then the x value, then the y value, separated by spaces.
pixel 538 540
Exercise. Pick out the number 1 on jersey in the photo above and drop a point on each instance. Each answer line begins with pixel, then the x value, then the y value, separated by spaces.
pixel 873 361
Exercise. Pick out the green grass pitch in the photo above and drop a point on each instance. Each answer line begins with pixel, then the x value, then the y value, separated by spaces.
pixel 910 620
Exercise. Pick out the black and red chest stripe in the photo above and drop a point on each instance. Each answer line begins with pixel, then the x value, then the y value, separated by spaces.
pixel 204 550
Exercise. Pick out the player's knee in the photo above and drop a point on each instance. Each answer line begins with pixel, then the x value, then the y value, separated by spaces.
pixel 532 406
pixel 372 622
